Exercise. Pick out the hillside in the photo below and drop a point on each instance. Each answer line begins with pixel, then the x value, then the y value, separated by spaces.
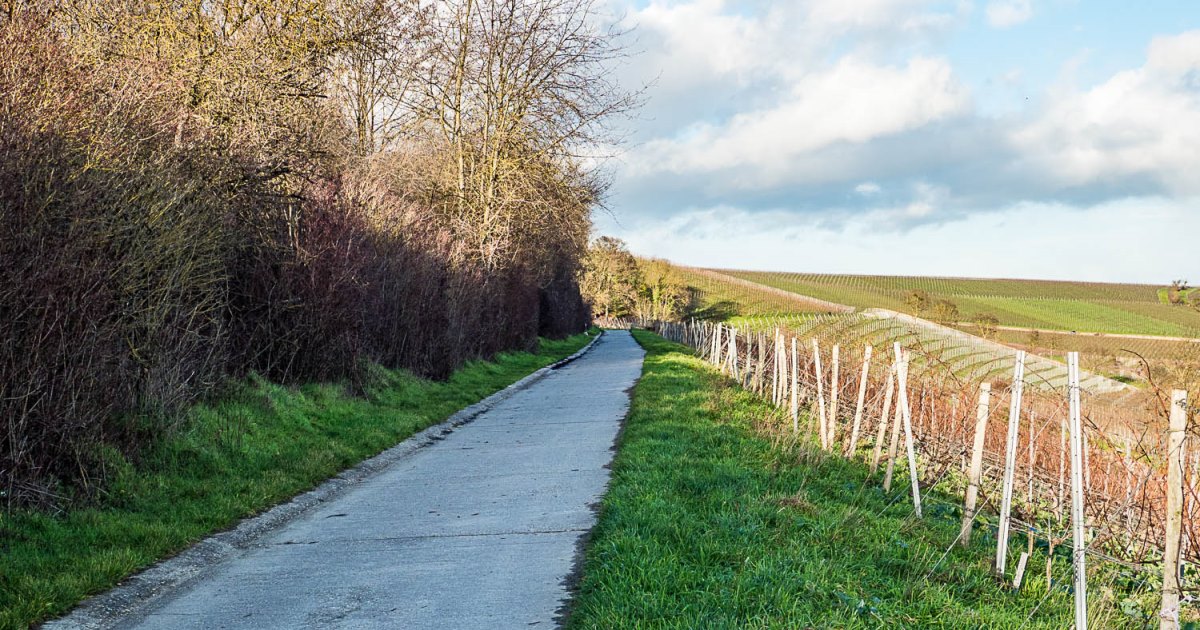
pixel 878 313
pixel 1043 304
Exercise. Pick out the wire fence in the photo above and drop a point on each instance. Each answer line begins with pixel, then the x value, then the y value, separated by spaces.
pixel 1014 442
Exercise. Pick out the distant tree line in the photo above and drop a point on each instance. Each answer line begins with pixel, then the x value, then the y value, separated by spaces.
pixel 945 311
pixel 193 190
pixel 1181 293
pixel 618 284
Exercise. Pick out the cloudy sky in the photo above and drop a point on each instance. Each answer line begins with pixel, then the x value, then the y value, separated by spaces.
pixel 994 138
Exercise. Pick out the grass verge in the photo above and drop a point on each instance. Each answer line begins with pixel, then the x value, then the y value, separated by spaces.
pixel 233 458
pixel 711 523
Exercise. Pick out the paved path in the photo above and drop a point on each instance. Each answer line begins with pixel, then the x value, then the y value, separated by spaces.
pixel 479 530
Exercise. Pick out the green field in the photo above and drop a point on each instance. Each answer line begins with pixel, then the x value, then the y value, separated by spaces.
pixel 1051 305
pixel 233 458
pixel 712 520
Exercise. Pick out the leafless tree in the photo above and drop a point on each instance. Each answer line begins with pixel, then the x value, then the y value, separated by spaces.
pixel 516 90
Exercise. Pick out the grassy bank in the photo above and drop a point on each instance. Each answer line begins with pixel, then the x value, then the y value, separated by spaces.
pixel 708 523
pixel 232 458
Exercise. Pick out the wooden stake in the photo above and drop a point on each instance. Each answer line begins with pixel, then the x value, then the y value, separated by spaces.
pixel 1176 446
pixel 733 354
pixel 862 396
pixel 820 394
pixel 910 447
pixel 1010 461
pixel 1029 490
pixel 894 447
pixel 1020 569
pixel 976 469
pixel 783 370
pixel 759 381
pixel 881 434
pixel 1079 555
pixel 775 370
pixel 716 351
pixel 833 397
pixel 795 400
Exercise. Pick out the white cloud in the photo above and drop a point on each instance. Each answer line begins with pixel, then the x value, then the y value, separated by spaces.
pixel 707 58
pixel 868 189
pixel 853 101
pixel 1006 13
pixel 1142 123
pixel 927 203
pixel 910 16
pixel 778 128
pixel 701 38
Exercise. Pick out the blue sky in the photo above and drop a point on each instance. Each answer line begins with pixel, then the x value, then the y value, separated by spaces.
pixel 993 138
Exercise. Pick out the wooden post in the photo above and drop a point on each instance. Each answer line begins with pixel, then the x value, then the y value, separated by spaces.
pixel 820 394
pixel 1079 549
pixel 775 369
pixel 1010 461
pixel 759 381
pixel 833 397
pixel 894 446
pixel 906 418
pixel 733 354
pixel 795 393
pixel 881 433
pixel 976 469
pixel 862 397
pixel 716 351
pixel 781 348
pixel 910 447
pixel 1176 456
pixel 1020 569
pixel 1029 490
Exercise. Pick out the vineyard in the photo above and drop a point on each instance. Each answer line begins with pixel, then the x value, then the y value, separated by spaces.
pixel 997 431
pixel 717 295
pixel 805 342
pixel 729 297
pixel 1054 305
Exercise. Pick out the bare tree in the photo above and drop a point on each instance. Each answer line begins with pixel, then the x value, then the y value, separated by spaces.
pixel 515 90
pixel 374 75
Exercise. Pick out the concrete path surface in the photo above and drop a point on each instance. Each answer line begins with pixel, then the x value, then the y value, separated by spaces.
pixel 477 530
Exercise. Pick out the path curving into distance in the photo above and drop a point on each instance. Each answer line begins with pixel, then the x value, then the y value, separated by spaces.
pixel 479 529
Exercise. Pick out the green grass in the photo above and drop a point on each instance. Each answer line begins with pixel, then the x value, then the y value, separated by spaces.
pixel 1052 305
pixel 232 458
pixel 709 524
